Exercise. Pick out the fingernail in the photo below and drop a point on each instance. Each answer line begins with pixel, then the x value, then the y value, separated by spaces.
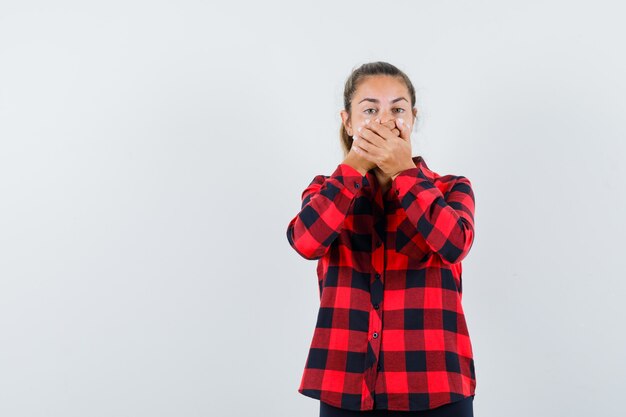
pixel 400 122
pixel 359 129
pixel 367 121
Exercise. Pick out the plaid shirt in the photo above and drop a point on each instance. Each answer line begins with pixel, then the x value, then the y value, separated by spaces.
pixel 390 332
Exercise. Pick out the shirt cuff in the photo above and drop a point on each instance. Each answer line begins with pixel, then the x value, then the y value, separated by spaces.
pixel 350 177
pixel 409 178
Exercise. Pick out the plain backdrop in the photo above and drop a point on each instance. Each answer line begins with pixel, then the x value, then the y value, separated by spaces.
pixel 152 154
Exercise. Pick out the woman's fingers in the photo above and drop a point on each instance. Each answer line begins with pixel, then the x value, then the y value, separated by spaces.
pixel 362 143
pixel 374 133
pixel 405 129
pixel 356 146
pixel 366 148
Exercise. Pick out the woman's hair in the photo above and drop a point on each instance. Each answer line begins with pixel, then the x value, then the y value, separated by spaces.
pixel 352 83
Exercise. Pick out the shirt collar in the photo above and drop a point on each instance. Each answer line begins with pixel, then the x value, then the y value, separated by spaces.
pixel 419 163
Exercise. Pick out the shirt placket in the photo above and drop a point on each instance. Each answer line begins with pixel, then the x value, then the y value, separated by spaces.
pixel 373 365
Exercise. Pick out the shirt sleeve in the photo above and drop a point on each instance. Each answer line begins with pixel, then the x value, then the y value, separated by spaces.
pixel 445 222
pixel 325 204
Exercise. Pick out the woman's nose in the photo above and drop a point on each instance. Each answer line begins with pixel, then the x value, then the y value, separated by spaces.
pixel 387 121
pixel 386 118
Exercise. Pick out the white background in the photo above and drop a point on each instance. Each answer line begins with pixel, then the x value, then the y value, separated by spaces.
pixel 152 154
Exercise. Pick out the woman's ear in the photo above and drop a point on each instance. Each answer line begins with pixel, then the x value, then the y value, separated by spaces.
pixel 345 119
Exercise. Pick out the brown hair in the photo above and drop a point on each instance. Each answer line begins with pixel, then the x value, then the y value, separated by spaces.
pixel 352 83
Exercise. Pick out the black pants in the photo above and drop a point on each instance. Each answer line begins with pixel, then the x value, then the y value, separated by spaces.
pixel 462 408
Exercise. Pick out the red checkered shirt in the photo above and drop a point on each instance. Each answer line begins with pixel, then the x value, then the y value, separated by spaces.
pixel 390 332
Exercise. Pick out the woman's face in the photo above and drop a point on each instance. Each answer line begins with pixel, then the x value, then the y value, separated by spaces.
pixel 379 96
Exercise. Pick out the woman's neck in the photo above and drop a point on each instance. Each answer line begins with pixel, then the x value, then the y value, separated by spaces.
pixel 383 179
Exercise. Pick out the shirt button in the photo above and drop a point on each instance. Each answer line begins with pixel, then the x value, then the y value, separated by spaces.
pixel 397 192
pixel 378 367
pixel 376 306
pixel 375 335
pixel 356 185
pixel 377 276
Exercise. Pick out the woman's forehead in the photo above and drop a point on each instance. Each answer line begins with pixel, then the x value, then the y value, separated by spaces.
pixel 383 91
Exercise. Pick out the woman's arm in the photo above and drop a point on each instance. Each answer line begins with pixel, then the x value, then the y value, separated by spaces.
pixel 446 223
pixel 325 205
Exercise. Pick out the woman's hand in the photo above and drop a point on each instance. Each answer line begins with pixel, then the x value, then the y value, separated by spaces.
pixel 379 145
pixel 356 160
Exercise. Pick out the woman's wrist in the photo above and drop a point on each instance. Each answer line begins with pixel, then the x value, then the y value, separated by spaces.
pixel 349 161
pixel 393 177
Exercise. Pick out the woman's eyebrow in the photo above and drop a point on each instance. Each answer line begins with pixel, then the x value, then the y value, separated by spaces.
pixel 374 100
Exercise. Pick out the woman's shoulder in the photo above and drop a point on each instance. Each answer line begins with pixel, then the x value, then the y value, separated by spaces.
pixel 448 181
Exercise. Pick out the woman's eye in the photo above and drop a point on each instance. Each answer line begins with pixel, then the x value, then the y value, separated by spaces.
pixel 398 108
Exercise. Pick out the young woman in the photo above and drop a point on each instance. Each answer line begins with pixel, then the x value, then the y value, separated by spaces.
pixel 389 235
